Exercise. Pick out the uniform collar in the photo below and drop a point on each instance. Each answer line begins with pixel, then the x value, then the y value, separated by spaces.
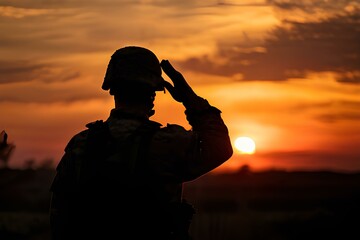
pixel 128 113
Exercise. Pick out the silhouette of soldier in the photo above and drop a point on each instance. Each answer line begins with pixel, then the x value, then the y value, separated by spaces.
pixel 123 177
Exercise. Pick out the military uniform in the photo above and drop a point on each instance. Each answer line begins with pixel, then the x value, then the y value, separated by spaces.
pixel 123 177
pixel 173 156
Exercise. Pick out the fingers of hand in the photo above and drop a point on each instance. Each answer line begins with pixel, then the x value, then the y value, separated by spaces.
pixel 166 66
pixel 173 74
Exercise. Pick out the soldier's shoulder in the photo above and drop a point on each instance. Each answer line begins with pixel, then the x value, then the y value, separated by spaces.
pixel 77 141
pixel 172 140
pixel 175 128
pixel 172 131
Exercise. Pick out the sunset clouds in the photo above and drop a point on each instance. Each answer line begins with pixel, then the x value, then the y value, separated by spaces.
pixel 292 50
pixel 286 73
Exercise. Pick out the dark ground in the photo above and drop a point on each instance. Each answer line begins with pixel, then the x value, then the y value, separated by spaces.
pixel 271 205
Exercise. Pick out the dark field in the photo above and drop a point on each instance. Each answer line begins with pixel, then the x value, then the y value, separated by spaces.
pixel 247 205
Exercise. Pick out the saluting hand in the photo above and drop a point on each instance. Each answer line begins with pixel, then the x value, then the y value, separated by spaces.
pixel 181 91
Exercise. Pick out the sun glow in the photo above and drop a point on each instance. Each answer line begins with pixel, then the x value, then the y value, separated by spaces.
pixel 245 145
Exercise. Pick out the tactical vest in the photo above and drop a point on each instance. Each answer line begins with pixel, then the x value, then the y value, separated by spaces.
pixel 112 181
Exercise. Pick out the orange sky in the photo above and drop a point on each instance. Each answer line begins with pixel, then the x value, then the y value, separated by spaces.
pixel 284 72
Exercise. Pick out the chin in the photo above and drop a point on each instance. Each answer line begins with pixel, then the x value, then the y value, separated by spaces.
pixel 151 112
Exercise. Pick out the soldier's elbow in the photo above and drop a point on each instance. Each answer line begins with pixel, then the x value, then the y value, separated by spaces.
pixel 229 152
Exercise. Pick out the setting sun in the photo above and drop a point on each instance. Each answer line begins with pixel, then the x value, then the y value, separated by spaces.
pixel 245 145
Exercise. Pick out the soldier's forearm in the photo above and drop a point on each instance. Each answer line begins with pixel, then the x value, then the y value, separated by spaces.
pixel 214 145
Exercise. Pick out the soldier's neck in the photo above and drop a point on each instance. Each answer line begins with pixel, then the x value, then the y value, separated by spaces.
pixel 138 109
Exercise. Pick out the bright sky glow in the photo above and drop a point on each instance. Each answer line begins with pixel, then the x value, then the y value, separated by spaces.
pixel 245 145
pixel 286 73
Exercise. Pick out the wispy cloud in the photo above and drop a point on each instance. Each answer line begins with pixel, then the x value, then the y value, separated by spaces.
pixel 346 161
pixel 305 11
pixel 25 71
pixel 15 12
pixel 25 81
pixel 292 50
pixel 310 6
pixel 46 93
pixel 326 104
pixel 334 117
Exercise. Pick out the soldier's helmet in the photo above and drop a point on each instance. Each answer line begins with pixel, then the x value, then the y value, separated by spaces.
pixel 133 66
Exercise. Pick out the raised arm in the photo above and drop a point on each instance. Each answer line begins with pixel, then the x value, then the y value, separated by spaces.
pixel 212 146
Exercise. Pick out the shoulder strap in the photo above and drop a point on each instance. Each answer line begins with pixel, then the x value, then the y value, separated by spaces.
pixel 97 143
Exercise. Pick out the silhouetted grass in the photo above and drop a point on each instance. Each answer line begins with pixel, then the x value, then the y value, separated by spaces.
pixel 271 205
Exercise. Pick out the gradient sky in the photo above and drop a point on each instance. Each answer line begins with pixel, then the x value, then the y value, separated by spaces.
pixel 284 72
